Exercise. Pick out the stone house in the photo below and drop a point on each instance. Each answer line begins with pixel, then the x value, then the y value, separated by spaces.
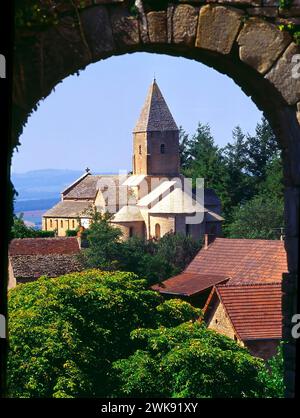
pixel 249 313
pixel 230 261
pixel 30 258
pixel 152 201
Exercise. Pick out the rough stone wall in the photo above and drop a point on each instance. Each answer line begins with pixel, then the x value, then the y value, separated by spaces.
pixel 238 37
pixel 219 321
pixel 166 163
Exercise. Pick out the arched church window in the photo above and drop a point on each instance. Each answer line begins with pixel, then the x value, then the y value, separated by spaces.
pixel 162 149
pixel 157 231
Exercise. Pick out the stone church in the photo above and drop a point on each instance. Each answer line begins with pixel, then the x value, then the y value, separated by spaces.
pixel 152 201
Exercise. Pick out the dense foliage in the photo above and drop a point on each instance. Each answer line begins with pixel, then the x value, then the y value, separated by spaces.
pixel 20 230
pixel 188 361
pixel 103 333
pixel 246 174
pixel 152 260
pixel 272 375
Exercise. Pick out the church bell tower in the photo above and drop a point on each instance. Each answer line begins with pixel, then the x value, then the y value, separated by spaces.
pixel 156 138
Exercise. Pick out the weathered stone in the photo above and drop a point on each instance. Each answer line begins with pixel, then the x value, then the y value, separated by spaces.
pixel 293 11
pixel 97 29
pixel 125 28
pixel 263 11
pixel 170 12
pixel 261 43
pixel 157 27
pixel 218 28
pixel 285 75
pixel 237 2
pixel 185 20
pixel 292 210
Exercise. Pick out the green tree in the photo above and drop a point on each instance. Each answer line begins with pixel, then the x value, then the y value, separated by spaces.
pixel 66 332
pixel 188 361
pixel 20 230
pixel 103 243
pixel 261 149
pixel 259 218
pixel 272 375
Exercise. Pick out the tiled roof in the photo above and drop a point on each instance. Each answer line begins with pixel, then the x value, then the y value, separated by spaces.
pixel 155 115
pixel 254 309
pixel 128 214
pixel 88 187
pixel 153 197
pixel 69 209
pixel 244 260
pixel 178 201
pixel 187 284
pixel 30 267
pixel 44 246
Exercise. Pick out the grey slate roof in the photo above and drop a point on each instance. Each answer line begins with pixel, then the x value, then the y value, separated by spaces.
pixel 88 187
pixel 31 267
pixel 155 115
pixel 68 209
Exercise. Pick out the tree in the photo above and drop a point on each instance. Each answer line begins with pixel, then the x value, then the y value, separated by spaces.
pixel 272 375
pixel 103 243
pixel 206 161
pixel 259 218
pixel 66 332
pixel 20 230
pixel 261 149
pixel 103 334
pixel 188 361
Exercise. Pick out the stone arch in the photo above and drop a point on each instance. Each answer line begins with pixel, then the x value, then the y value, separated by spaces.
pixel 240 39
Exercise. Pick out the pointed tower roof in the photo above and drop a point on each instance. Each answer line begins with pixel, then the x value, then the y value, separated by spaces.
pixel 155 114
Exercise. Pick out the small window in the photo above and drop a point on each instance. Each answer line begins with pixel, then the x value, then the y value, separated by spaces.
pixel 61 224
pixel 235 338
pixel 73 224
pixel 140 149
pixel 51 223
pixel 162 149
pixel 216 321
pixel 131 232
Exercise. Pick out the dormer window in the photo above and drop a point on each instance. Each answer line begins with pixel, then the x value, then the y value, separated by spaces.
pixel 162 149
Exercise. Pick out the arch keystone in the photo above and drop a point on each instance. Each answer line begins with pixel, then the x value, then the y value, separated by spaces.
pixel 261 43
pixel 218 28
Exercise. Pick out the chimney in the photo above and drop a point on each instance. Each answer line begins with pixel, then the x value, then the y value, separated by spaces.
pixel 208 239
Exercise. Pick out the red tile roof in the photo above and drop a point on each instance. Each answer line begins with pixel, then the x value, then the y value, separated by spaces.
pixel 243 260
pixel 254 309
pixel 44 246
pixel 187 284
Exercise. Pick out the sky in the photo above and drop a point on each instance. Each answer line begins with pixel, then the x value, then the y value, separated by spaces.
pixel 88 120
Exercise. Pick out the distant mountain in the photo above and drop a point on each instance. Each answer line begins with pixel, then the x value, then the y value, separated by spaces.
pixel 43 184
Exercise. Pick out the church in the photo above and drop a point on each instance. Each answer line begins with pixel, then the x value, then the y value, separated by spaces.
pixel 152 201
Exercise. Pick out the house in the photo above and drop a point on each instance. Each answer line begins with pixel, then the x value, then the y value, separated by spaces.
pixel 230 261
pixel 30 258
pixel 249 313
pixel 152 201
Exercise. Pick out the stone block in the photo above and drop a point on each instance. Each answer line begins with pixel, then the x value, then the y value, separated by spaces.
pixel 261 43
pixel 98 31
pixel 125 28
pixel 285 75
pixel 157 27
pixel 185 19
pixel 218 28
pixel 263 11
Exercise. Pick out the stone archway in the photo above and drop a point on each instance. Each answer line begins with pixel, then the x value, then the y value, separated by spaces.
pixel 237 37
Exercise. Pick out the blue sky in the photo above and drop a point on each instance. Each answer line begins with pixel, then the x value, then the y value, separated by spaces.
pixel 88 120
